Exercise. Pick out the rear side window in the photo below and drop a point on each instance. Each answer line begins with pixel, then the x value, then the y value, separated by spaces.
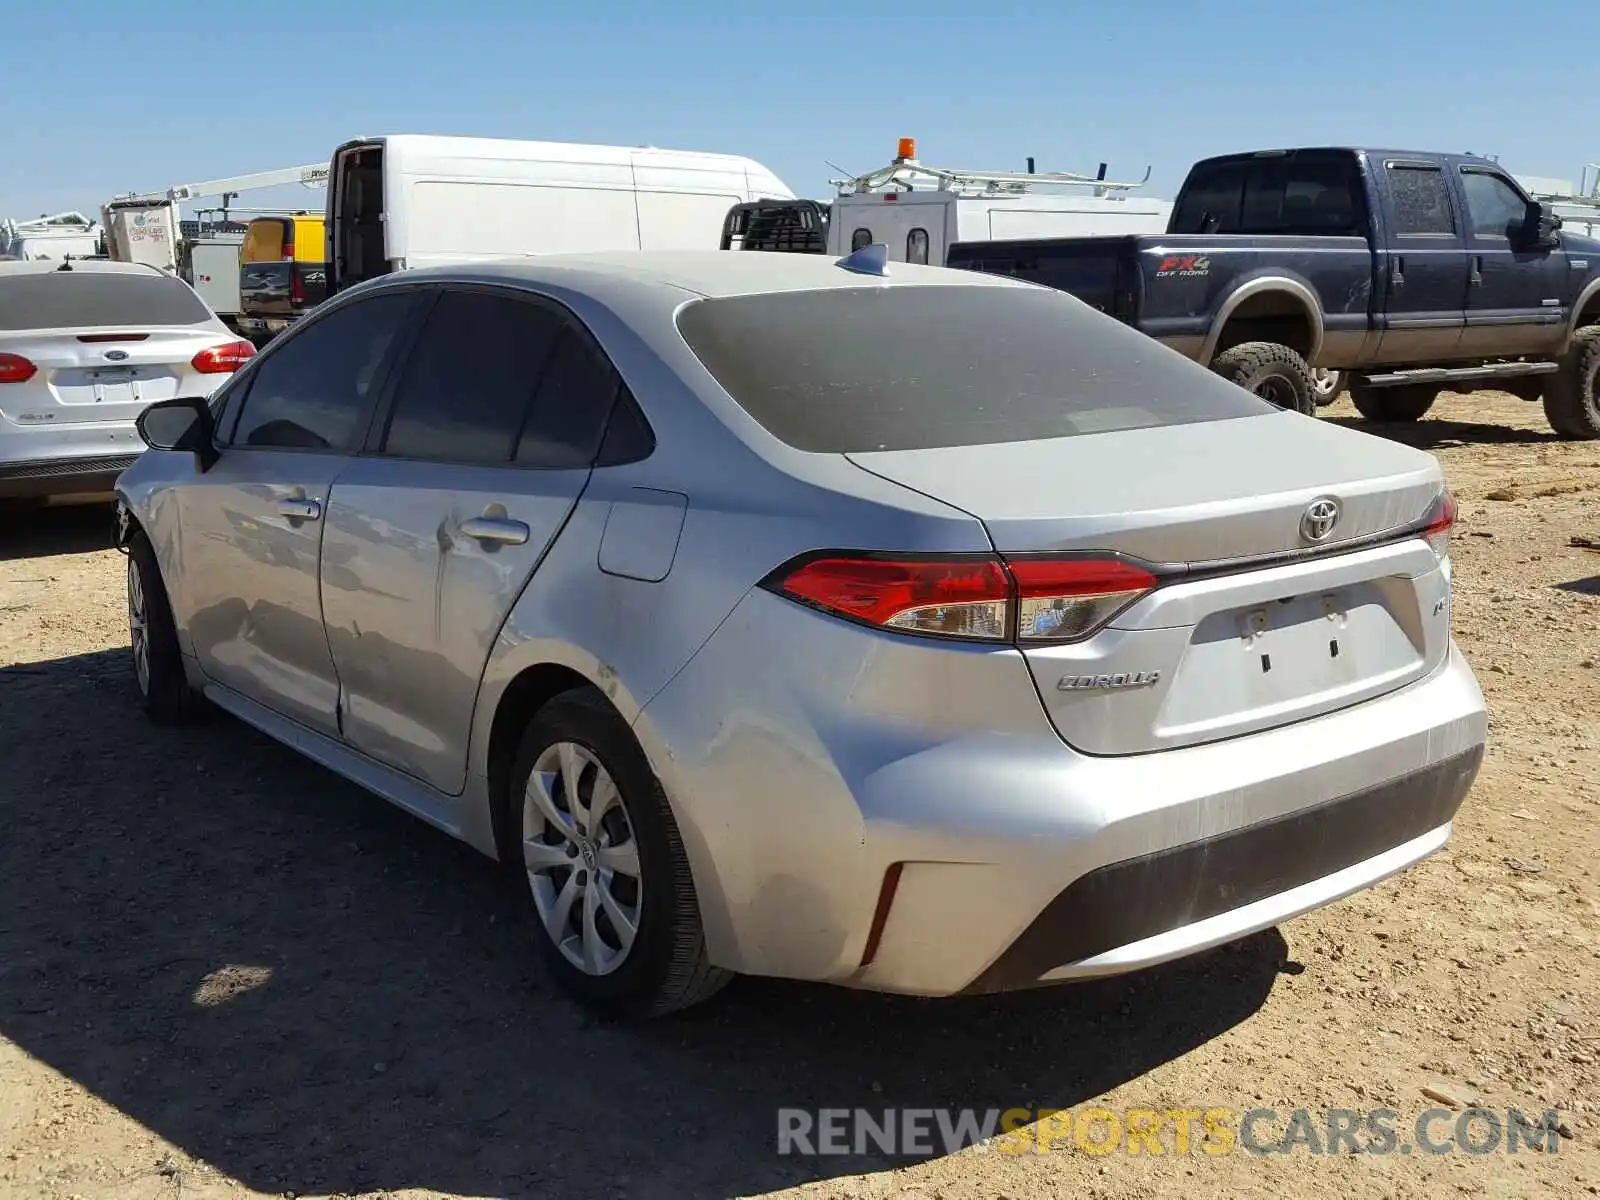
pixel 85 299
pixel 496 379
pixel 1421 203
pixel 467 384
pixel 313 391
pixel 909 368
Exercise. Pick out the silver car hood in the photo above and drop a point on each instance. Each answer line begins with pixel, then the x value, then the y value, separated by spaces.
pixel 1178 493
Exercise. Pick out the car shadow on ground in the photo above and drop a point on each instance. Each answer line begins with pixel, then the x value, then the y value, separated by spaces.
pixel 1589 586
pixel 1436 434
pixel 293 981
pixel 30 531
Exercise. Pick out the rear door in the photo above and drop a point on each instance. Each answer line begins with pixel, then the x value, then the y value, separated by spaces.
pixel 1515 293
pixel 910 224
pixel 1425 284
pixel 433 533
pixel 252 525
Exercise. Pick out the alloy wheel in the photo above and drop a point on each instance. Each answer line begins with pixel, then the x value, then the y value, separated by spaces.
pixel 138 627
pixel 582 858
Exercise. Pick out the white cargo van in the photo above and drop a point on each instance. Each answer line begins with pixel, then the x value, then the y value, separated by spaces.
pixel 411 200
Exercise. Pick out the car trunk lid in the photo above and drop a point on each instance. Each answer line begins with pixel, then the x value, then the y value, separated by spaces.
pixel 97 375
pixel 1255 622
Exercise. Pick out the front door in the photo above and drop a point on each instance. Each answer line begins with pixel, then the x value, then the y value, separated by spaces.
pixel 253 524
pixel 1515 292
pixel 1425 284
pixel 435 531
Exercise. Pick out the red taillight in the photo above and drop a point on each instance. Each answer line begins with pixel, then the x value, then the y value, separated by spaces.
pixel 1061 599
pixel 985 598
pixel 288 249
pixel 1441 519
pixel 221 360
pixel 16 369
pixel 965 598
pixel 297 288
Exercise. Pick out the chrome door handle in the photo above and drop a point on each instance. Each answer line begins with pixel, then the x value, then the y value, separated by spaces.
pixel 496 530
pixel 300 509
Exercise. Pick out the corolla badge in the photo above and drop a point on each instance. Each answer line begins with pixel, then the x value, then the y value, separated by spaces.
pixel 116 355
pixel 1321 515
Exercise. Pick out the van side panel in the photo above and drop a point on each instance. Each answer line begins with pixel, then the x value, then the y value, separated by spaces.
pixel 454 219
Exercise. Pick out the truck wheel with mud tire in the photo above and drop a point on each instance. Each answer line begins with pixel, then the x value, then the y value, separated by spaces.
pixel 1572 394
pixel 1274 372
pixel 1394 405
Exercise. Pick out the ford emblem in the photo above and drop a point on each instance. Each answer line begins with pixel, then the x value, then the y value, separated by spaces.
pixel 116 355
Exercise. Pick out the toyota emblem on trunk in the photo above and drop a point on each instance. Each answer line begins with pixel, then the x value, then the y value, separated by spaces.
pixel 1321 515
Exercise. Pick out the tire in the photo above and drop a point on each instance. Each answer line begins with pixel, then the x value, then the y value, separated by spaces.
pixel 1572 395
pixel 1326 385
pixel 1394 405
pixel 158 677
pixel 1275 373
pixel 663 966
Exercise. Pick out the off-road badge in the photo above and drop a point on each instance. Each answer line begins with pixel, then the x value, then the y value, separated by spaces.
pixel 1184 266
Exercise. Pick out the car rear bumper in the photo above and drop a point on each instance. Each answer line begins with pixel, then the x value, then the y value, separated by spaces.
pixel 959 845
pixel 39 478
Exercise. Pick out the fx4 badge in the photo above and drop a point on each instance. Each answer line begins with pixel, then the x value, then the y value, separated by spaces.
pixel 1122 679
pixel 1184 266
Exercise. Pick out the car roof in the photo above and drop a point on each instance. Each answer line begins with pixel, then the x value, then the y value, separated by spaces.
pixel 101 266
pixel 706 273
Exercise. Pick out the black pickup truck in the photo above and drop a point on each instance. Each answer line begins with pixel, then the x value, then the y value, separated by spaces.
pixel 1411 272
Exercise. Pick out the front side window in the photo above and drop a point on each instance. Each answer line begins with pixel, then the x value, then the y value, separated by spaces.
pixel 1421 202
pixel 313 391
pixel 848 370
pixel 917 246
pixel 1495 208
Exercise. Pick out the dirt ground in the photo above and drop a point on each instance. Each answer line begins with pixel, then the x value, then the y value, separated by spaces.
pixel 226 972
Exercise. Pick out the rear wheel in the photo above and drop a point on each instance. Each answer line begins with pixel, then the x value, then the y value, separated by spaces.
pixel 1275 373
pixel 1326 385
pixel 1572 395
pixel 163 689
pixel 617 919
pixel 1408 402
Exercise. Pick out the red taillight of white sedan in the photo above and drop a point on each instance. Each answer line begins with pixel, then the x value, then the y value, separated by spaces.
pixel 16 369
pixel 224 359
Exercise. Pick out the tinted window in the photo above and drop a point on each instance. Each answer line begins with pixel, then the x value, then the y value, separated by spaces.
pixel 1304 194
pixel 917 246
pixel 570 408
pixel 468 380
pixel 310 392
pixel 1494 206
pixel 901 368
pixel 860 238
pixel 1421 204
pixel 84 299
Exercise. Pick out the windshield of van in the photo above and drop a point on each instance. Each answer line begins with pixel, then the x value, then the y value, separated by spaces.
pixel 910 368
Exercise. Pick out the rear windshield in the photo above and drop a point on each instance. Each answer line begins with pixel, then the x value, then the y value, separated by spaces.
pixel 913 368
pixel 88 299
pixel 1300 193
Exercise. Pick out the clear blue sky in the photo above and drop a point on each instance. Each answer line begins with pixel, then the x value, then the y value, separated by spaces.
pixel 119 97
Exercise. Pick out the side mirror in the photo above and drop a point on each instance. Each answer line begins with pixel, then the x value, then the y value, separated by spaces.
pixel 1539 227
pixel 181 424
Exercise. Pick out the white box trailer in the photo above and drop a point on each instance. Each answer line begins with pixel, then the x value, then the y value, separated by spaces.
pixel 411 200
pixel 919 211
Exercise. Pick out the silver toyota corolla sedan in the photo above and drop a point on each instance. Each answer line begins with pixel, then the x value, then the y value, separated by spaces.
pixel 925 631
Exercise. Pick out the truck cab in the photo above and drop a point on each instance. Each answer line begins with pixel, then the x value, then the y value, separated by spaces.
pixel 1410 271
